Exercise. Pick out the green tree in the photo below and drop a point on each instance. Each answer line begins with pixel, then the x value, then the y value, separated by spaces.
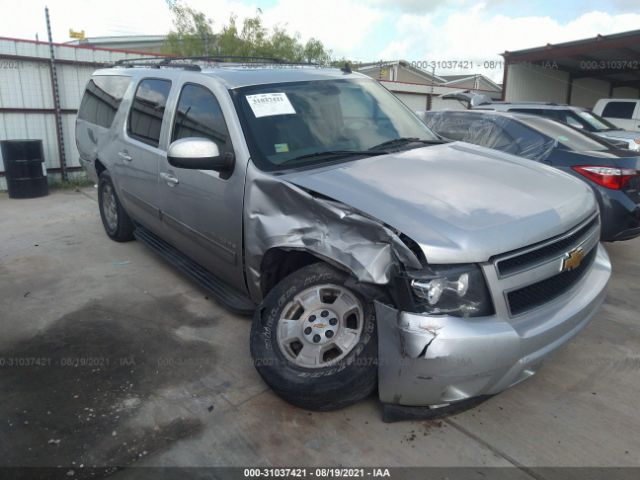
pixel 193 32
pixel 193 35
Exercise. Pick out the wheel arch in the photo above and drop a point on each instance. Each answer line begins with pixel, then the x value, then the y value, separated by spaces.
pixel 99 167
pixel 278 262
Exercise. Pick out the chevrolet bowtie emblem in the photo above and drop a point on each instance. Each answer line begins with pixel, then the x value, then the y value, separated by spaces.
pixel 572 259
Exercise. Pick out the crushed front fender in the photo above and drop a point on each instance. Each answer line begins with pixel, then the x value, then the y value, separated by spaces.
pixel 282 215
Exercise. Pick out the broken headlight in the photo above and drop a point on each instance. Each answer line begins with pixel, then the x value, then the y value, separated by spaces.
pixel 457 290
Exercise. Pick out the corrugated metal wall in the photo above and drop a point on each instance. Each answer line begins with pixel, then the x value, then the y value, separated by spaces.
pixel 531 83
pixel 625 92
pixel 26 98
pixel 587 91
pixel 415 101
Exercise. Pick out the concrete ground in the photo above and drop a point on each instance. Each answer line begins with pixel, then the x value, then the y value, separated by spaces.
pixel 110 357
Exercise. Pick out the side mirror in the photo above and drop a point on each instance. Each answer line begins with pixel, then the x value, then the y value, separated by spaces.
pixel 199 154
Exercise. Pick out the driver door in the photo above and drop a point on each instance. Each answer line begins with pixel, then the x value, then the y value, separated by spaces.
pixel 202 209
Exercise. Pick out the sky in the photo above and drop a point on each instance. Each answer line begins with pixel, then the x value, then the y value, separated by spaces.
pixel 445 32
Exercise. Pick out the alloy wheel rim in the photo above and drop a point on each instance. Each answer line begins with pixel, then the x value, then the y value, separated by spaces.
pixel 320 326
pixel 110 208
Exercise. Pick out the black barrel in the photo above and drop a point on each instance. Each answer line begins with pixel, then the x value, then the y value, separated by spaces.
pixel 24 168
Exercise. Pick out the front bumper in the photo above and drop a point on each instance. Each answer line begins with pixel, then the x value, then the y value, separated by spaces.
pixel 434 360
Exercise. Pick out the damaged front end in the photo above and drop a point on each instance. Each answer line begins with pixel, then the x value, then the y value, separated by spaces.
pixel 450 337
pixel 284 216
pixel 452 356
pixel 429 360
pixel 441 330
pixel 281 215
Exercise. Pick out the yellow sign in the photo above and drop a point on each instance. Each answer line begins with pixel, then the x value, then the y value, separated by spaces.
pixel 79 35
pixel 573 259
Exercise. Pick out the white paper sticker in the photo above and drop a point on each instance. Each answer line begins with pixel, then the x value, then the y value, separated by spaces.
pixel 270 104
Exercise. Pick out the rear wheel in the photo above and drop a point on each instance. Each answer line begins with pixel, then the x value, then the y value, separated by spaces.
pixel 115 220
pixel 314 339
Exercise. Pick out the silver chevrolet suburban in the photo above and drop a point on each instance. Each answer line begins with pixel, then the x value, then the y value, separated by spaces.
pixel 371 253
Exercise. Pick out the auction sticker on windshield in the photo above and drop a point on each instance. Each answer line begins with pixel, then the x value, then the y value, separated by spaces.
pixel 270 104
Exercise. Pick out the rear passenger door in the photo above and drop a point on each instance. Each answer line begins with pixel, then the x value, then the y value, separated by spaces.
pixel 202 209
pixel 138 154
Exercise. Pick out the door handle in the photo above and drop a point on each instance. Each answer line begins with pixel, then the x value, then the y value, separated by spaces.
pixel 171 180
pixel 125 156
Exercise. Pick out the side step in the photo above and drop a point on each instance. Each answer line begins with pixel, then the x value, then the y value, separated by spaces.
pixel 225 294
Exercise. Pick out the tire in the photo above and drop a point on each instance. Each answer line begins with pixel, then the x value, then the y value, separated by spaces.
pixel 339 377
pixel 115 220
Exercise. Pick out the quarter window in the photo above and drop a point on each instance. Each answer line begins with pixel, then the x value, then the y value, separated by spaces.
pixel 147 110
pixel 199 115
pixel 619 110
pixel 102 98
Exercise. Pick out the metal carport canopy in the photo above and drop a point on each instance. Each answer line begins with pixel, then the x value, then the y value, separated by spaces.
pixel 612 58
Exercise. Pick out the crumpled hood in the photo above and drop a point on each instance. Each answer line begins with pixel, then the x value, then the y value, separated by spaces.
pixel 460 202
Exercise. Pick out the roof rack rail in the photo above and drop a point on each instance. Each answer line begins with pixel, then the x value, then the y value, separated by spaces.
pixel 153 63
pixel 177 62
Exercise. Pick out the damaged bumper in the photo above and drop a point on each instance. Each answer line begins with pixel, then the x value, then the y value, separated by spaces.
pixel 433 360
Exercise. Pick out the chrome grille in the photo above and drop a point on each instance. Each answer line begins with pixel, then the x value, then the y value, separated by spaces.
pixel 530 277
pixel 539 293
pixel 521 262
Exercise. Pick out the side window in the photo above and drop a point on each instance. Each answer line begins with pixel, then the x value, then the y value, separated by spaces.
pixel 571 120
pixel 147 110
pixel 530 144
pixel 541 112
pixel 619 109
pixel 453 127
pixel 199 115
pixel 487 133
pixel 102 98
pixel 530 111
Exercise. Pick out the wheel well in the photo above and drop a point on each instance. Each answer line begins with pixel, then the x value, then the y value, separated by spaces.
pixel 278 263
pixel 99 167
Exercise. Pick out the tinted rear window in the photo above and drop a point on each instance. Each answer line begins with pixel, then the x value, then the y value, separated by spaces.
pixel 147 110
pixel 534 111
pixel 102 98
pixel 619 109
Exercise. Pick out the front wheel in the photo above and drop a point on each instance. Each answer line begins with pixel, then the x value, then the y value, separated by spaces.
pixel 313 340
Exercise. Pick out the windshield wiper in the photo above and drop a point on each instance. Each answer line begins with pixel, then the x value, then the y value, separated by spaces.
pixel 335 153
pixel 405 140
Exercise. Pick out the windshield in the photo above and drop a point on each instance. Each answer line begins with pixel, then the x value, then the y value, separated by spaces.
pixel 565 135
pixel 292 124
pixel 597 122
